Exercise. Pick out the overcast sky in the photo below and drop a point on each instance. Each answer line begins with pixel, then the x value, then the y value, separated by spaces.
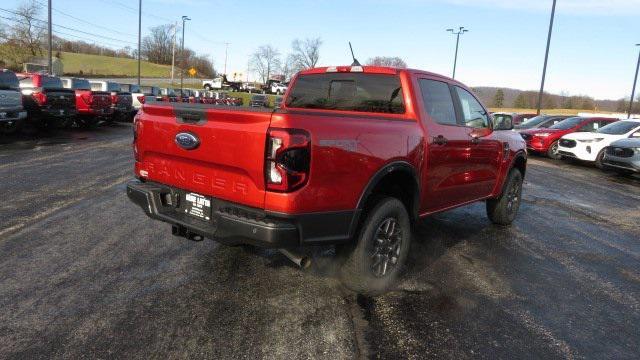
pixel 592 50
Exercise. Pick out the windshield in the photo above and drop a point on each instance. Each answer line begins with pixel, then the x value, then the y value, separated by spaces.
pixel 619 127
pixel 534 121
pixel 568 123
pixel 348 91
pixel 8 80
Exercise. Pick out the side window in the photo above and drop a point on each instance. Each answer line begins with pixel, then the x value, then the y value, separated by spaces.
pixel 473 113
pixel 588 127
pixel 438 102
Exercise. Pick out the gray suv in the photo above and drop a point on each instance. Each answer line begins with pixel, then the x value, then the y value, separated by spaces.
pixel 623 155
pixel 11 111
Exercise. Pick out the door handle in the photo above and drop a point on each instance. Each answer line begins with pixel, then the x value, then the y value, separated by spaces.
pixel 440 140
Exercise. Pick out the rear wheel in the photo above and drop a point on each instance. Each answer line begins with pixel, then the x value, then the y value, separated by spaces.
pixel 375 261
pixel 503 210
pixel 87 122
pixel 599 158
pixel 10 127
pixel 553 151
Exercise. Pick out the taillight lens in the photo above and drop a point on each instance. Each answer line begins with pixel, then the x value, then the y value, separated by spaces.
pixel 287 159
pixel 136 124
pixel 87 98
pixel 40 98
pixel 141 99
pixel 114 99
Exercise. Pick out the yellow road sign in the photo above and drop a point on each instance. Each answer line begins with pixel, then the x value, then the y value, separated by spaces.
pixel 192 72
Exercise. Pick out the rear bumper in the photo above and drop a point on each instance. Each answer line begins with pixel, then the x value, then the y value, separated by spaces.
pixel 234 224
pixel 12 114
pixel 105 111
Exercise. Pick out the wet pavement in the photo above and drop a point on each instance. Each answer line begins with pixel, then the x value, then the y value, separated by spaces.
pixel 84 273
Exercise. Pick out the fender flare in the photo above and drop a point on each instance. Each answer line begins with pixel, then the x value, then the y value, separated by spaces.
pixel 395 166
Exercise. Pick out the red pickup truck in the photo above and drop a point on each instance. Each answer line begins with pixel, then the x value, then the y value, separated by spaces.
pixel 353 157
pixel 91 105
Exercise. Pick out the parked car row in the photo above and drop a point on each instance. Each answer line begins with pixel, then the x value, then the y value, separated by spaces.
pixel 608 143
pixel 30 102
pixel 194 96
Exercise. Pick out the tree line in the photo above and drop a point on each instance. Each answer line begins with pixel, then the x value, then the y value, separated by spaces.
pixel 512 98
pixel 267 61
pixel 25 37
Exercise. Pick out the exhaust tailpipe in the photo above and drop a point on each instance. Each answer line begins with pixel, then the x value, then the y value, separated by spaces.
pixel 302 261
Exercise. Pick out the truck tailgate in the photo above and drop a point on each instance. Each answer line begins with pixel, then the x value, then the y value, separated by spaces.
pixel 227 164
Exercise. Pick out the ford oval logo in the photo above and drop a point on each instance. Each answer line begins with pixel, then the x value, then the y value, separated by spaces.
pixel 187 141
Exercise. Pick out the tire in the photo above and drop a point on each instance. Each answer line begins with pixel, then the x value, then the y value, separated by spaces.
pixel 553 151
pixel 87 122
pixel 599 158
pixel 504 209
pixel 386 225
pixel 10 128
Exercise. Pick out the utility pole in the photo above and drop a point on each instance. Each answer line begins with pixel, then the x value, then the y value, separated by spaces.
pixel 635 81
pixel 139 35
pixel 50 35
pixel 184 19
pixel 546 56
pixel 226 52
pixel 173 52
pixel 460 31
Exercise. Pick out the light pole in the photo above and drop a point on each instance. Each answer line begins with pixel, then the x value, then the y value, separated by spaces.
pixel 184 19
pixel 139 35
pixel 50 39
pixel 460 31
pixel 635 81
pixel 546 56
pixel 173 52
pixel 226 52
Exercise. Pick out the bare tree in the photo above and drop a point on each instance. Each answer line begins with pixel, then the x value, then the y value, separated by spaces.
pixel 387 61
pixel 289 68
pixel 27 31
pixel 305 53
pixel 157 46
pixel 264 61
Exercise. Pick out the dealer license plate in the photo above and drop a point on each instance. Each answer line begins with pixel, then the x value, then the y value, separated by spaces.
pixel 198 206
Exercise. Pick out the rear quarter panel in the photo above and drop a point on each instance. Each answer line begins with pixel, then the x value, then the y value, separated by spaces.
pixel 347 150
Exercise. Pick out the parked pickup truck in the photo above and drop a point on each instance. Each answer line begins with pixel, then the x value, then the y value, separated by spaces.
pixel 92 106
pixel 354 157
pixel 47 102
pixel 12 114
pixel 121 101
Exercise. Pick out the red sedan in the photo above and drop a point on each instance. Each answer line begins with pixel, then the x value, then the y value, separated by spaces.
pixel 545 141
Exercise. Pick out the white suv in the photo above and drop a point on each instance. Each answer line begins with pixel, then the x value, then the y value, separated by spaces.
pixel 589 146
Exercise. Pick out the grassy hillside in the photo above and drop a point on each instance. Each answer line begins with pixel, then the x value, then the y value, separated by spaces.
pixel 110 66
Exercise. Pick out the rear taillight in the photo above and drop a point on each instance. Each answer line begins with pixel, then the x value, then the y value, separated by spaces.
pixel 141 99
pixel 87 98
pixel 114 99
pixel 40 98
pixel 287 159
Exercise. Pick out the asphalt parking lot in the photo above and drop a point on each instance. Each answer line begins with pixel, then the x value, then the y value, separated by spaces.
pixel 85 274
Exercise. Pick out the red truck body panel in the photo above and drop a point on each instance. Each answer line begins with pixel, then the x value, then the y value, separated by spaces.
pixel 348 149
pixel 302 174
pixel 93 103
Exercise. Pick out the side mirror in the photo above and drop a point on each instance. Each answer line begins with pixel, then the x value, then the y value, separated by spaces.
pixel 505 123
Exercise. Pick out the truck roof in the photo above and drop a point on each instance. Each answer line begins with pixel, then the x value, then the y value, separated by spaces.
pixel 372 70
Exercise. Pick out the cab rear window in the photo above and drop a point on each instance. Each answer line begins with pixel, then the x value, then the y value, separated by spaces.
pixel 49 82
pixel 8 80
pixel 375 93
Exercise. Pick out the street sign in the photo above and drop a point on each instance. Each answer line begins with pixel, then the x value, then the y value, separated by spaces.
pixel 193 72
